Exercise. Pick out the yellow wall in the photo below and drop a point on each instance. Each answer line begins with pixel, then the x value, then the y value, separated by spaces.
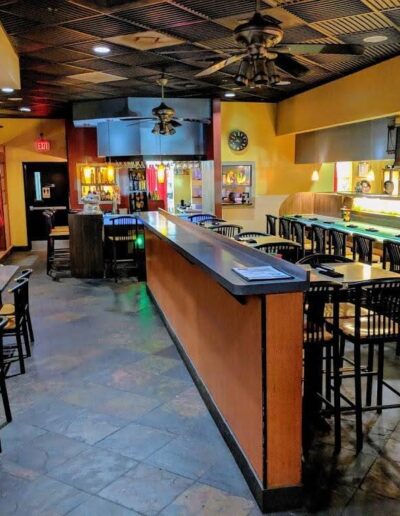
pixel 182 188
pixel 370 93
pixel 276 172
pixel 20 149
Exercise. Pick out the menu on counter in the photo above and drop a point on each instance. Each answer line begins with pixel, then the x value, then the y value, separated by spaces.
pixel 262 273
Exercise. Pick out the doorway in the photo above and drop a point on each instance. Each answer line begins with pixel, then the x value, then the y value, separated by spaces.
pixel 46 187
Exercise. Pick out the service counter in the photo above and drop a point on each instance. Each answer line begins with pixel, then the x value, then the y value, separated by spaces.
pixel 242 342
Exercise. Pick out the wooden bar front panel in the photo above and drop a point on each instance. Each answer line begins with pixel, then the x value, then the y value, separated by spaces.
pixel 221 337
pixel 284 332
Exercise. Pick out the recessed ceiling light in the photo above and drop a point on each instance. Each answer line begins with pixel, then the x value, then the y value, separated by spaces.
pixel 15 99
pixel 375 39
pixel 102 49
pixel 7 90
pixel 230 94
pixel 25 109
pixel 283 83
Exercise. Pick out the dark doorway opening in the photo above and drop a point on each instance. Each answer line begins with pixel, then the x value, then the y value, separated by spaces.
pixel 46 187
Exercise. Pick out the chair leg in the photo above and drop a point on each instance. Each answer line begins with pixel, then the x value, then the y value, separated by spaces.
pixel 4 395
pixel 370 368
pixel 380 377
pixel 115 262
pixel 20 351
pixel 24 329
pixel 358 399
pixel 336 398
pixel 328 360
pixel 30 328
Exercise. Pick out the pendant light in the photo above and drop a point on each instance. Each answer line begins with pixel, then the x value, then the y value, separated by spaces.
pixel 161 173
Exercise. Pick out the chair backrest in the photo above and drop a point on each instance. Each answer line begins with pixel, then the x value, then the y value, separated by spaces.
pixel 315 299
pixel 299 235
pixel 317 259
pixel 123 229
pixel 391 254
pixel 228 230
pixel 21 298
pixel 209 219
pixel 198 217
pixel 285 229
pixel 271 224
pixel 249 234
pixel 318 236
pixel 381 302
pixel 362 248
pixel 289 252
pixel 337 242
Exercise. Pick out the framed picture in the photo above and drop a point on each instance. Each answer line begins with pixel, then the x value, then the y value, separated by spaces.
pixel 237 174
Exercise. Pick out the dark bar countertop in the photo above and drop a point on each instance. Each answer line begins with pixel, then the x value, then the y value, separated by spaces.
pixel 217 255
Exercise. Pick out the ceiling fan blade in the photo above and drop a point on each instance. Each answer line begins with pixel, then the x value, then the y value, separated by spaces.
pixel 137 118
pixel 290 65
pixel 201 51
pixel 329 48
pixel 218 66
pixel 195 120
pixel 175 123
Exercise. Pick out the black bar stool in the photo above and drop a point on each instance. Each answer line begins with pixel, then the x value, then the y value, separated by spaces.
pixel 271 224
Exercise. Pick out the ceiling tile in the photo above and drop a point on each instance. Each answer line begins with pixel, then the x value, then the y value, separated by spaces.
pixel 159 16
pixel 56 36
pixel 213 9
pixel 201 31
pixel 103 26
pixel 318 10
pixel 48 11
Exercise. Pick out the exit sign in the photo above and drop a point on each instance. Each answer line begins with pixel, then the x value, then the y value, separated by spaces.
pixel 42 145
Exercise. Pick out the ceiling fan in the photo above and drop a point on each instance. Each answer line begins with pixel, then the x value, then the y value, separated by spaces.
pixel 263 52
pixel 164 116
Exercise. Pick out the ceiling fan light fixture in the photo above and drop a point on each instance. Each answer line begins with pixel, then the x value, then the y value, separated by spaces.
pixel 245 73
pixel 273 77
pixel 260 72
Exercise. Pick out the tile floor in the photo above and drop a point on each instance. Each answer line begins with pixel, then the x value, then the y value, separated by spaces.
pixel 107 422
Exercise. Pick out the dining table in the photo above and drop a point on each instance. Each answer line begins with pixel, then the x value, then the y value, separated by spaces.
pixel 353 272
pixel 7 272
pixel 267 239
pixel 379 233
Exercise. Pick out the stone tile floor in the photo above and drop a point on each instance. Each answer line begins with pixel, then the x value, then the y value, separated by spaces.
pixel 107 422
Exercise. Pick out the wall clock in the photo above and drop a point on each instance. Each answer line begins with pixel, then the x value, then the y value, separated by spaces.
pixel 238 140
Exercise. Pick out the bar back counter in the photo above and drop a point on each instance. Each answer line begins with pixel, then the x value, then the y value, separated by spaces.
pixel 242 343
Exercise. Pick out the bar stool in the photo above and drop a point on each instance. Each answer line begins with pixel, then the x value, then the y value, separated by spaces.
pixel 338 243
pixel 57 259
pixel 318 238
pixel 363 249
pixel 321 348
pixel 9 308
pixel 123 232
pixel 391 254
pixel 375 322
pixel 271 224
pixel 16 325
pixel 285 228
pixel 3 372
pixel 299 234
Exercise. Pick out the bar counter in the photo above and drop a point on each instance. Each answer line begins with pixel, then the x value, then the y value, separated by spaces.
pixel 242 343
